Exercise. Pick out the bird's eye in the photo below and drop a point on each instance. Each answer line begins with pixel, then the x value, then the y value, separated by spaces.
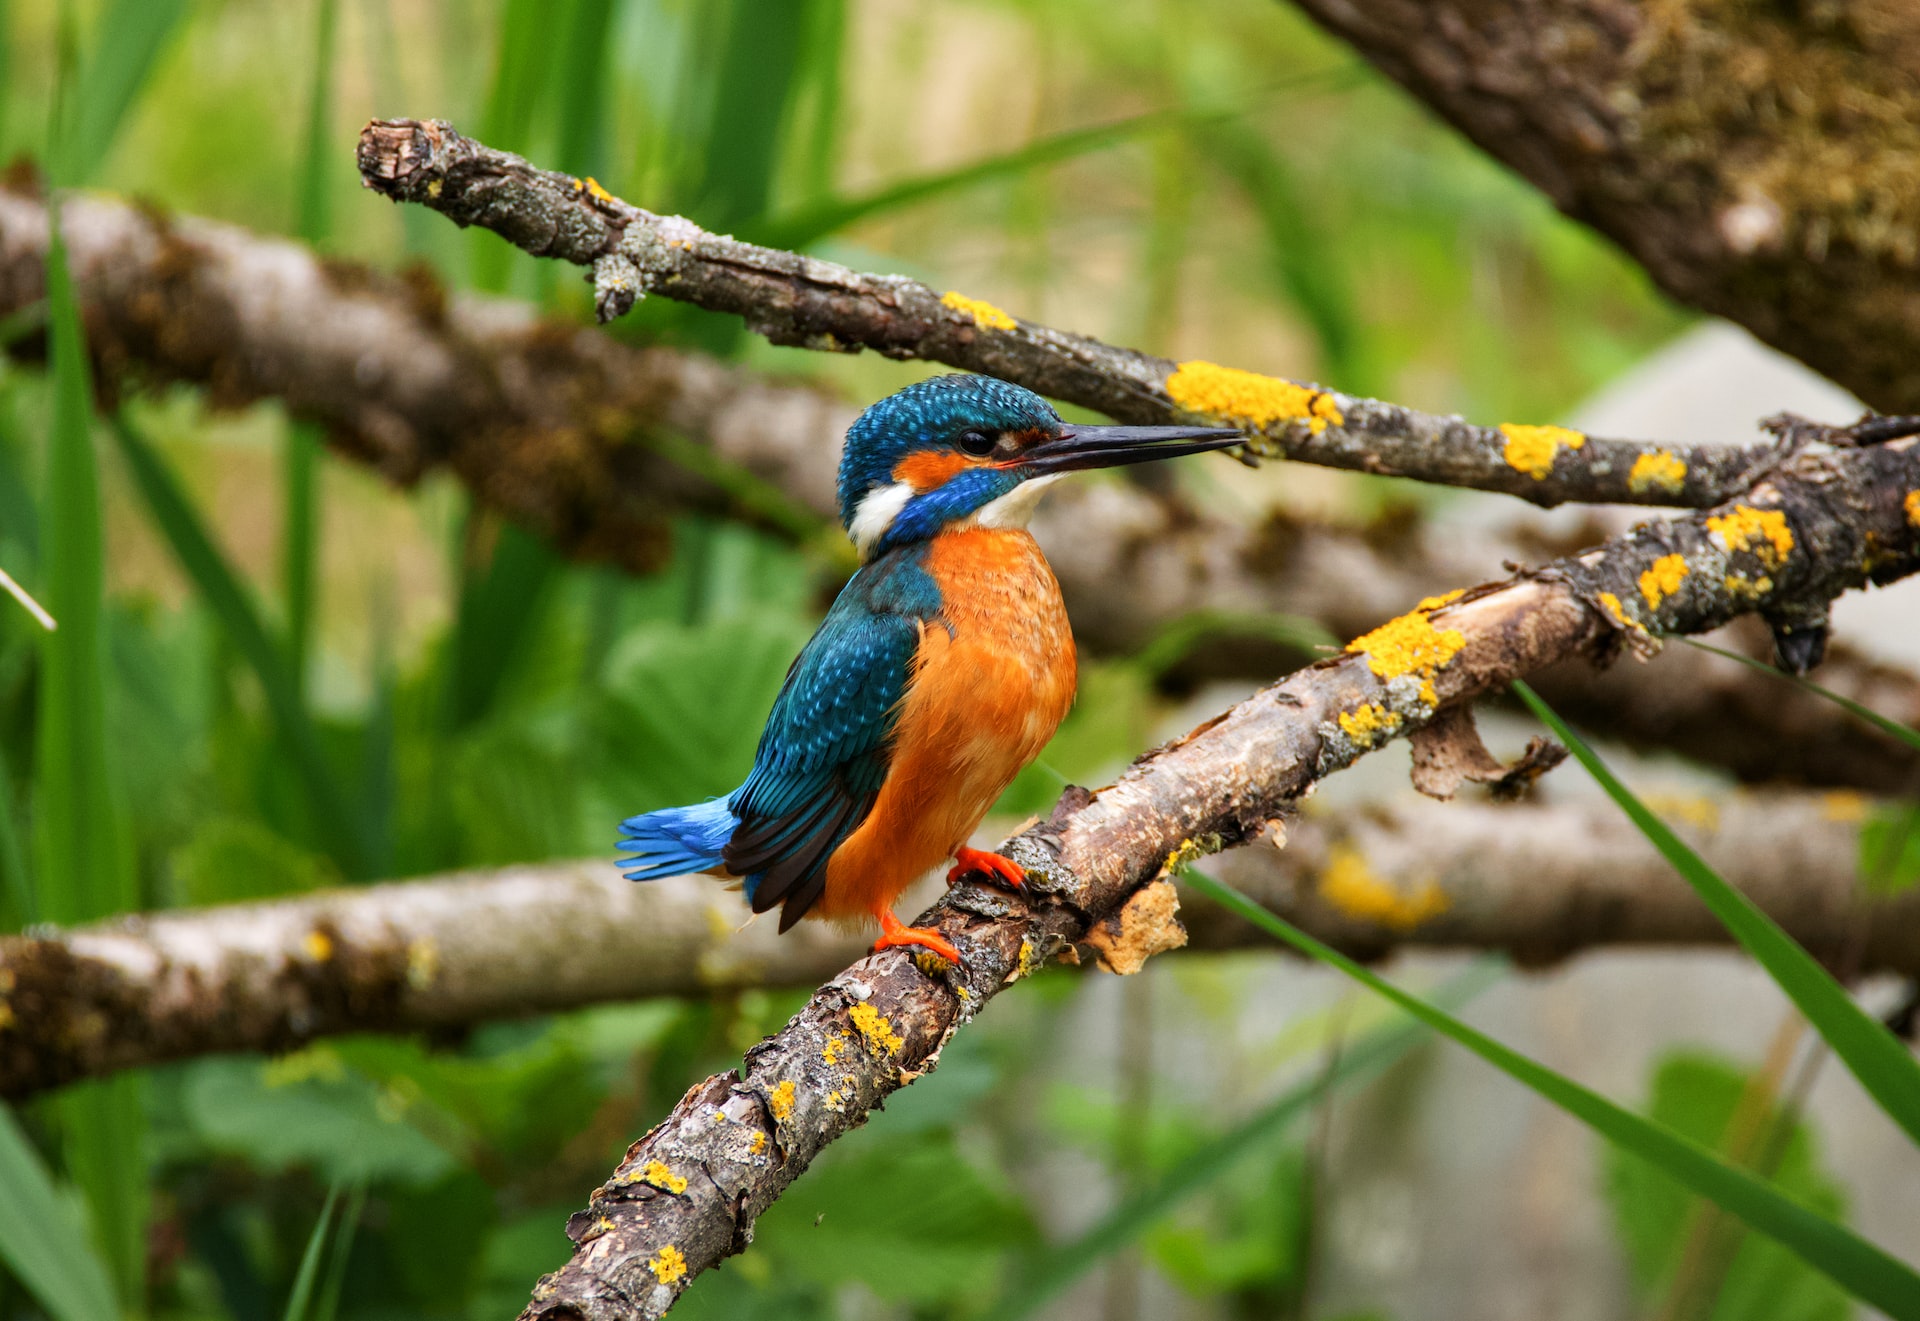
pixel 977 443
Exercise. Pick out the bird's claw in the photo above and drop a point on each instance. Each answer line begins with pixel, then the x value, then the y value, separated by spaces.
pixel 894 933
pixel 997 870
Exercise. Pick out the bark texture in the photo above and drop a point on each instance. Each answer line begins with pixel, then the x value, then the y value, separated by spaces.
pixel 798 300
pixel 1540 881
pixel 1762 161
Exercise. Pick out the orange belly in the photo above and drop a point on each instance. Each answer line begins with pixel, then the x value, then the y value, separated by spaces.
pixel 988 690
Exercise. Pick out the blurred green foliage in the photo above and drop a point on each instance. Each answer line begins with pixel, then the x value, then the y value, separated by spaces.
pixel 252 695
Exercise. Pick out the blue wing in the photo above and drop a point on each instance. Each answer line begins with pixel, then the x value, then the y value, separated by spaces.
pixel 825 751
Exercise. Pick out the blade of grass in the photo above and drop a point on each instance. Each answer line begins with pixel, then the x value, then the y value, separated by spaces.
pixel 818 219
pixel 300 456
pixel 16 881
pixel 1859 1267
pixel 84 866
pixel 583 88
pixel 1179 638
pixel 1128 1222
pixel 523 66
pixel 1871 1053
pixel 39 1243
pixel 1885 724
pixel 128 40
pixel 326 1304
pixel 500 608
pixel 220 588
pixel 316 1249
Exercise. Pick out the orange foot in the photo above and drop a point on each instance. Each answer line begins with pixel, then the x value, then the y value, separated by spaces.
pixel 895 932
pixel 1004 871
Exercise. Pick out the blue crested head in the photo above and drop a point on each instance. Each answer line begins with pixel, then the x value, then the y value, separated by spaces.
pixel 972 449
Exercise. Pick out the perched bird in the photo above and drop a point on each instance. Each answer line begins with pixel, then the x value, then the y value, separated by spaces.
pixel 943 667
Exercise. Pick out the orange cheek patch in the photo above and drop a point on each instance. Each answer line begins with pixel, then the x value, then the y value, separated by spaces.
pixel 930 468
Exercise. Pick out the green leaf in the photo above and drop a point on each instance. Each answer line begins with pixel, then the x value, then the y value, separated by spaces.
pixel 1885 724
pixel 222 591
pixel 1874 1055
pixel 129 37
pixel 685 706
pixel 39 1241
pixel 303 1281
pixel 912 1219
pixel 1129 1222
pixel 308 1110
pixel 499 611
pixel 85 867
pixel 584 51
pixel 1890 850
pixel 233 859
pixel 1864 1270
pixel 1698 1097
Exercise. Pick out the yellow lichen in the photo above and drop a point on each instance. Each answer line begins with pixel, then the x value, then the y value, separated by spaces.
pixel 1410 645
pixel 1617 612
pixel 1658 471
pixel 596 192
pixel 1689 808
pixel 1190 851
pixel 1531 449
pixel 875 1028
pixel 1432 603
pixel 1844 806
pixel 1366 726
pixel 668 1265
pixel 780 1101
pixel 1350 885
pixel 1912 506
pixel 835 1100
pixel 758 1143
pixel 1762 531
pixel 656 1173
pixel 1738 584
pixel 423 962
pixel 318 945
pixel 985 315
pixel 836 1046
pixel 1249 399
pixel 1663 579
pixel 433 188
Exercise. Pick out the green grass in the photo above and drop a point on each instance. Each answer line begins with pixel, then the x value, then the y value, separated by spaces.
pixel 1880 1060
pixel 1863 1270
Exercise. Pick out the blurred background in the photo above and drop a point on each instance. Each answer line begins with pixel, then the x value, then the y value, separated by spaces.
pixel 1213 181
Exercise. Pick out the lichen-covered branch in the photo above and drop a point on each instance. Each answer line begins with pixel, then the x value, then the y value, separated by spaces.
pixel 1541 881
pixel 1762 161
pixel 541 420
pixel 798 300
pixel 687 1194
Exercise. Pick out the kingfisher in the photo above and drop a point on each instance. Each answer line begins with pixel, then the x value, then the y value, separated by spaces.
pixel 943 667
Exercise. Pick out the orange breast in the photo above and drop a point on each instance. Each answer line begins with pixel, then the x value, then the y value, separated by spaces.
pixel 988 691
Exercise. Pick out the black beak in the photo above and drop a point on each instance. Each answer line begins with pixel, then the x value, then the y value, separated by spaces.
pixel 1079 447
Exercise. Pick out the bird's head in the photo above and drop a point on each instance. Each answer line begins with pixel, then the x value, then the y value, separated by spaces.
pixel 959 449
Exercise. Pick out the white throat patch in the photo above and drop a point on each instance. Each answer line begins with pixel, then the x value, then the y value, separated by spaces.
pixel 875 514
pixel 1015 507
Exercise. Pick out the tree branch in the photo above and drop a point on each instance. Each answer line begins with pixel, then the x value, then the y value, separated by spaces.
pixel 1759 160
pixel 687 1193
pixel 540 420
pixel 797 300
pixel 1542 882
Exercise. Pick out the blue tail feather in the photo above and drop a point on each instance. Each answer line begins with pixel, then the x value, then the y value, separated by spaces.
pixel 676 840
